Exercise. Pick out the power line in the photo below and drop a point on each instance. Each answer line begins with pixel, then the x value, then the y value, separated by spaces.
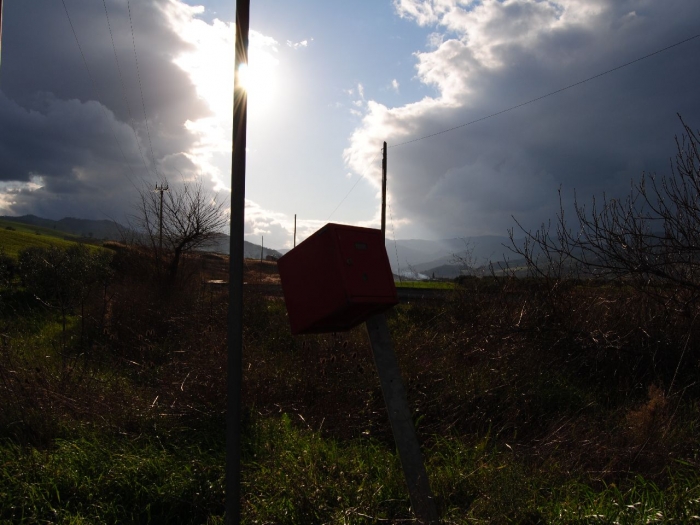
pixel 123 86
pixel 353 186
pixel 519 106
pixel 548 94
pixel 99 96
pixel 138 75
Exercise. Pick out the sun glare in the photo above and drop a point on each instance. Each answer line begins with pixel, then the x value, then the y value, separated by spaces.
pixel 209 63
pixel 244 76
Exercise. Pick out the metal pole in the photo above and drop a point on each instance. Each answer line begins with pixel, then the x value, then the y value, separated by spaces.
pixel 384 192
pixel 295 230
pixel 235 308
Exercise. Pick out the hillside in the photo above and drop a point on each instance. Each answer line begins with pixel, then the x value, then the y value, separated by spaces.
pixel 73 228
pixel 96 229
pixel 14 237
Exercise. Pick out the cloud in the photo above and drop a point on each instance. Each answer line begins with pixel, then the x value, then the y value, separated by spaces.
pixel 487 56
pixel 78 142
pixel 90 137
pixel 298 45
pixel 395 85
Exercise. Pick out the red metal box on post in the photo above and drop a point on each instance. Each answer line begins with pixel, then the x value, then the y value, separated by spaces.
pixel 336 279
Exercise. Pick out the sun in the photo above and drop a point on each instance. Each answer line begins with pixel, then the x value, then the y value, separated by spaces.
pixel 209 65
pixel 244 76
pixel 259 78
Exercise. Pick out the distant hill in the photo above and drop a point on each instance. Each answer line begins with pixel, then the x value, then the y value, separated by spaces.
pixel 446 257
pixel 94 229
pixel 250 250
pixel 112 231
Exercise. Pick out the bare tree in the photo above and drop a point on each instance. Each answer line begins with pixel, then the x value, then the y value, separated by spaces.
pixel 651 238
pixel 179 220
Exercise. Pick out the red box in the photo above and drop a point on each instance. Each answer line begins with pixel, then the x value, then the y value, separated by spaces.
pixel 336 279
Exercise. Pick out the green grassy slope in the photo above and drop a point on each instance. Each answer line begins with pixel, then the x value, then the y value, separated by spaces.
pixel 23 236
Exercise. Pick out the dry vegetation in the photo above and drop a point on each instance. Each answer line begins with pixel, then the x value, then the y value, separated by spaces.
pixel 538 401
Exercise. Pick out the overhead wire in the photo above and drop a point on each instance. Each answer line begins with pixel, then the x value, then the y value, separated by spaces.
pixel 617 68
pixel 353 186
pixel 511 108
pixel 138 75
pixel 123 86
pixel 99 96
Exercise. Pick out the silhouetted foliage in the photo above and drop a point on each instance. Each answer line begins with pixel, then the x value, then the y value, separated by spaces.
pixel 64 278
pixel 191 218
pixel 651 238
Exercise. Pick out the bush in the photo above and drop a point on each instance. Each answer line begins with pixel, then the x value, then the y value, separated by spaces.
pixel 64 278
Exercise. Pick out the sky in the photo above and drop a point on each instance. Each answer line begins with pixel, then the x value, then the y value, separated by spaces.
pixel 99 100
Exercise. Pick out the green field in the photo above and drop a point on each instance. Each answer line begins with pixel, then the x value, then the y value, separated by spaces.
pixel 534 404
pixel 15 236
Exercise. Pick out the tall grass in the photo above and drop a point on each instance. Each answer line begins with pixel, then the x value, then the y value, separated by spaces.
pixel 534 404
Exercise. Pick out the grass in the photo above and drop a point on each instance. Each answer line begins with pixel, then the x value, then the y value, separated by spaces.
pixel 295 476
pixel 15 241
pixel 109 479
pixel 29 228
pixel 574 405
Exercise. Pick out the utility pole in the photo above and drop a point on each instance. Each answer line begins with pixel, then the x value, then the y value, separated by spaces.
pixel 234 365
pixel 394 392
pixel 295 228
pixel 163 187
pixel 384 191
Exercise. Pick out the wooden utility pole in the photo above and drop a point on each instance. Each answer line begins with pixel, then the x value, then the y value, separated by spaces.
pixel 384 191
pixel 235 309
pixel 394 394
pixel 163 187
pixel 295 230
pixel 401 421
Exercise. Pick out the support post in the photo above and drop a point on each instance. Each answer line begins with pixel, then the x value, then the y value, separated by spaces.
pixel 295 230
pixel 234 366
pixel 262 249
pixel 402 427
pixel 384 192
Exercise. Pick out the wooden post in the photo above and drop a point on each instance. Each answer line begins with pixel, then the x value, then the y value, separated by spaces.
pixel 295 230
pixel 234 366
pixel 384 191
pixel 397 405
pixel 401 421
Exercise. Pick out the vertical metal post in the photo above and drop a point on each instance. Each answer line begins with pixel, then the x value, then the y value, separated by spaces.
pixel 235 309
pixel 384 191
pixel 295 230
pixel 401 421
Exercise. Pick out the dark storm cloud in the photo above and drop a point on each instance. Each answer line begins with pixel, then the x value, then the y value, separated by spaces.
pixel 593 138
pixel 58 127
